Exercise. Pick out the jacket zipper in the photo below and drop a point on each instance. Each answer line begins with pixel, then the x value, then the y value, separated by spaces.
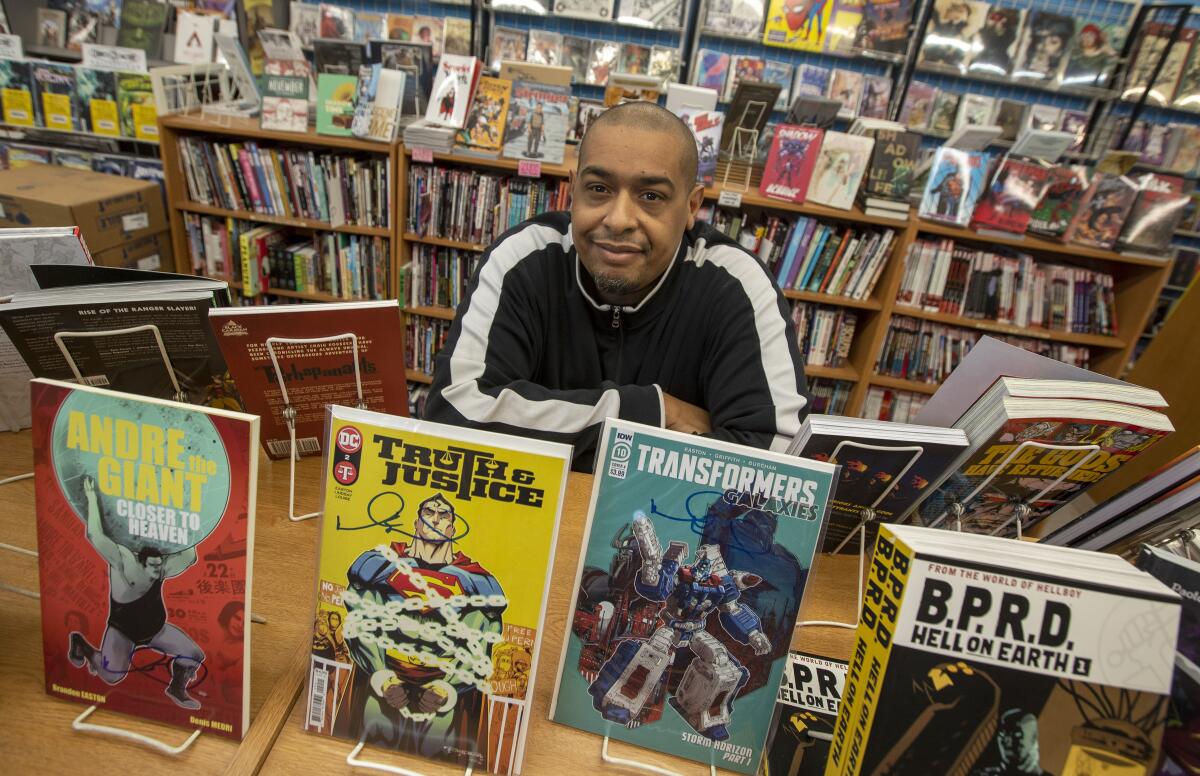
pixel 616 319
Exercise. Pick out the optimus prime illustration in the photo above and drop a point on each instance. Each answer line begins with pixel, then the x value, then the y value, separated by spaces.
pixel 689 593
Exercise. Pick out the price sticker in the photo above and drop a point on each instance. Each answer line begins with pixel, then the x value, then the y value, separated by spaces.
pixel 529 169
pixel 730 199
pixel 422 154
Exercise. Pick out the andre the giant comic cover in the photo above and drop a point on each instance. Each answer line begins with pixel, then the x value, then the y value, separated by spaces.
pixel 145 518
pixel 436 543
pixel 695 558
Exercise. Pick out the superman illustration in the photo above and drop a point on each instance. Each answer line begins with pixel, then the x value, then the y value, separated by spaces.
pixel 422 619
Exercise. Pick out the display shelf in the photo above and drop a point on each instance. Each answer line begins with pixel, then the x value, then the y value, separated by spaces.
pixel 846 373
pixel 1083 92
pixel 1036 244
pixel 850 53
pixel 417 376
pixel 413 237
pixel 500 163
pixel 76 133
pixel 830 299
pixel 993 327
pixel 752 198
pixel 297 223
pixel 445 313
pixel 900 384
pixel 248 128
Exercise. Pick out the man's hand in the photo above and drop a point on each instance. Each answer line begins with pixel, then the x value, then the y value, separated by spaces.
pixel 89 488
pixel 681 416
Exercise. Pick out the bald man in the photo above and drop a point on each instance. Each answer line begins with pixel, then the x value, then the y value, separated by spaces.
pixel 626 307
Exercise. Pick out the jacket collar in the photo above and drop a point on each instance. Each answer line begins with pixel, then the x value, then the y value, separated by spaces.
pixel 680 251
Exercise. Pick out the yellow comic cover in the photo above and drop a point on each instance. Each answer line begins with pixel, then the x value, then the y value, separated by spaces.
pixel 798 24
pixel 436 547
pixel 484 128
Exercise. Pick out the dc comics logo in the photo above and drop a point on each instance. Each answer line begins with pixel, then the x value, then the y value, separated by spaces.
pixel 349 440
pixel 345 472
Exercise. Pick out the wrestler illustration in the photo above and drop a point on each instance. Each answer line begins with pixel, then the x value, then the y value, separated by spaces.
pixel 137 618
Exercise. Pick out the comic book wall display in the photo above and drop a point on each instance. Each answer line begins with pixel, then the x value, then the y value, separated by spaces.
pixel 537 122
pixel 807 703
pixel 145 520
pixel 974 658
pixel 790 163
pixel 1028 449
pixel 315 374
pixel 655 656
pixel 956 180
pixel 435 552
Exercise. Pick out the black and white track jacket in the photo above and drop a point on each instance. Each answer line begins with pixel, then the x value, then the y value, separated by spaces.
pixel 533 351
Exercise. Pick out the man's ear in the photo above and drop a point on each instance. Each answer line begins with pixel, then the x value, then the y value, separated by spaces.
pixel 695 200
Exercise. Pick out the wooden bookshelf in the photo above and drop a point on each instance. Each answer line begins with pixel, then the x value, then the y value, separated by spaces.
pixel 235 129
pixel 443 242
pixel 992 327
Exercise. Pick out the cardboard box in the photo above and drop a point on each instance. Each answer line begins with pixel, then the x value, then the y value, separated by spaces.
pixel 150 252
pixel 109 210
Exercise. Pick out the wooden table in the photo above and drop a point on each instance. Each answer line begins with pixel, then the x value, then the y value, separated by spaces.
pixel 36 735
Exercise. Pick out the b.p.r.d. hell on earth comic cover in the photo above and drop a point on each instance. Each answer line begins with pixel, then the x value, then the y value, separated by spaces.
pixel 695 559
pixel 436 545
pixel 145 512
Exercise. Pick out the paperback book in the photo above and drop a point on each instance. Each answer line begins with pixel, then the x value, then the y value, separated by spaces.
pixel 974 654
pixel 884 467
pixel 811 81
pixel 893 161
pixel 1035 445
pixel 335 103
pixel 1065 187
pixel 839 169
pixel 885 26
pixel 1102 210
pixel 1155 214
pixel 16 92
pixel 488 116
pixel 712 67
pixel 545 47
pixel 956 181
pixel 603 61
pixel 846 86
pixel 453 87
pixel 436 545
pixel 507 43
pixel 368 82
pixel 142 25
pixel 1093 55
pixel 706 128
pixel 807 704
pixel 790 163
pixel 641 662
pixel 152 502
pixel 315 374
pixel 917 109
pixel 743 68
pixel 285 103
pixel 537 122
pixel 135 103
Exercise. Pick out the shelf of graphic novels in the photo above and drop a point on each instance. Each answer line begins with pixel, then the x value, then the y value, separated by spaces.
pixel 325 201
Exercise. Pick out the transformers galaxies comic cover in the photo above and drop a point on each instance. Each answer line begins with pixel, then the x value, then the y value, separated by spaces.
pixel 977 658
pixel 145 521
pixel 695 559
pixel 436 543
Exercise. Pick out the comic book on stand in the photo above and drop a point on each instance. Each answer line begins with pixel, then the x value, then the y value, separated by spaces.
pixel 54 90
pixel 537 122
pixel 145 522
pixel 1044 44
pixel 507 43
pixel 1064 191
pixel 995 45
pixel 652 656
pixel 743 68
pixel 790 162
pixel 740 18
pixel 453 87
pixel 1093 55
pixel 956 181
pixel 952 28
pixel 917 110
pixel 802 26
pixel 706 127
pixel 436 545
pixel 885 26
pixel 807 703
pixel 484 129
pixel 96 96
pixel 315 374
pixel 811 81
pixel 977 655
pixel 915 457
pixel 1039 443
pixel 712 68
pixel 1155 214
pixel 841 164
pixel 1102 210
pixel 893 161
pixel 1016 189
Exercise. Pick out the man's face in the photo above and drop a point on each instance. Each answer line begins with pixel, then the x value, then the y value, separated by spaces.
pixel 154 566
pixel 630 206
pixel 1016 740
pixel 437 522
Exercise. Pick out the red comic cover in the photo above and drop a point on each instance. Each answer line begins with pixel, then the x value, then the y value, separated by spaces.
pixel 1008 203
pixel 790 162
pixel 315 374
pixel 145 523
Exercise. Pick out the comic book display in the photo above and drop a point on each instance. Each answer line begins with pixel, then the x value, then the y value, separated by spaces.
pixel 952 28
pixel 802 26
pixel 1031 453
pixel 145 522
pixel 1093 55
pixel 706 127
pixel 975 656
pixel 807 703
pixel 1044 44
pixel 995 45
pixel 885 25
pixel 677 641
pixel 893 160
pixel 315 374
pixel 885 467
pixel 956 180
pixel 453 86
pixel 489 111
pixel 839 169
pixel 1102 211
pixel 1064 191
pixel 742 18
pixel 435 552
pixel 537 122
pixel 790 163
pixel 1155 214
